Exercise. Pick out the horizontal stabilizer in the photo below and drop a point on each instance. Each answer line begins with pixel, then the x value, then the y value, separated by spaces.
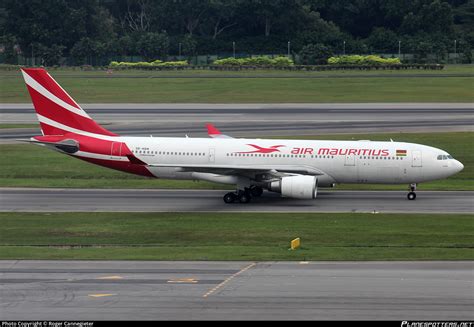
pixel 68 146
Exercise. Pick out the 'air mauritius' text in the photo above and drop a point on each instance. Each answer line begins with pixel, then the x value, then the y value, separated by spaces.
pixel 343 152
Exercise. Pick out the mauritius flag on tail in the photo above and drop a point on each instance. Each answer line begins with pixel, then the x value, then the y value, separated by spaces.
pixel 401 153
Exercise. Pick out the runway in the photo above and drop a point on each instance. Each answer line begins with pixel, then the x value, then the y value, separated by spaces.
pixel 88 200
pixel 136 290
pixel 248 120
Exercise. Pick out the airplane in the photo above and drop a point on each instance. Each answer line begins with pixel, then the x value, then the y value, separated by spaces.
pixel 293 168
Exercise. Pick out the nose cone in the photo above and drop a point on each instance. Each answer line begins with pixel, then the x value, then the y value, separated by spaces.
pixel 458 166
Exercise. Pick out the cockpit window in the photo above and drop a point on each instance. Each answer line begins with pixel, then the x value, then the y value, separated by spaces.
pixel 444 157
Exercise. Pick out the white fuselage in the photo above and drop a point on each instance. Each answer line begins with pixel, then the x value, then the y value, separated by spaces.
pixel 337 161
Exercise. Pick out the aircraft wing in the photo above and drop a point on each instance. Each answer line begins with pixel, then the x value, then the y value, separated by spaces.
pixel 262 172
pixel 213 132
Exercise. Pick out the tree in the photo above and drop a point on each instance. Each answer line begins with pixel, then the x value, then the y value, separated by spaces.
pixel 222 15
pixel 382 40
pixel 56 23
pixel 153 45
pixel 137 16
pixel 125 45
pixel 315 54
pixel 189 13
pixel 317 30
pixel 120 27
pixel 430 18
pixel 9 51
pixel 421 51
pixel 188 45
pixel 86 49
pixel 50 55
pixel 270 13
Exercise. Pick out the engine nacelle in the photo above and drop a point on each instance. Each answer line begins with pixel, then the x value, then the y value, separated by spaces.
pixel 299 187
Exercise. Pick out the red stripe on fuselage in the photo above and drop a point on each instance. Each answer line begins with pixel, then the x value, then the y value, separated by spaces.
pixel 124 166
pixel 96 146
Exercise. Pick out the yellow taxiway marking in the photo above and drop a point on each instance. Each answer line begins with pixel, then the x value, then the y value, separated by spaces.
pixel 229 279
pixel 183 280
pixel 110 277
pixel 101 295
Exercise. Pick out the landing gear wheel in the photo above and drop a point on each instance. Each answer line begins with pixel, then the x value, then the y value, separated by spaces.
pixel 230 197
pixel 411 196
pixel 244 197
pixel 256 191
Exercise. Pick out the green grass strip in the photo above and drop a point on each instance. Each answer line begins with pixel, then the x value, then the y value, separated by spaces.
pixel 236 236
pixel 189 87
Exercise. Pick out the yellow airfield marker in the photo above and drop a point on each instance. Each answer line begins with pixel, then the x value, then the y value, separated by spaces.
pixel 295 244
pixel 101 295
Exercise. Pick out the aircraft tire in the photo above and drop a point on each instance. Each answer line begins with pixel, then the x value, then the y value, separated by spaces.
pixel 411 196
pixel 229 197
pixel 244 198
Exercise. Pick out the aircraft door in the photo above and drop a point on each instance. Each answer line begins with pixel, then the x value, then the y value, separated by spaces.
pixel 416 159
pixel 212 155
pixel 349 160
pixel 116 149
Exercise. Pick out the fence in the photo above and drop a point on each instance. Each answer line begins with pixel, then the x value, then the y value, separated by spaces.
pixel 202 60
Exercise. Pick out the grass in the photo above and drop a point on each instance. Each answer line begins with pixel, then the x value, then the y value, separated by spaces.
pixel 351 86
pixel 235 236
pixel 24 165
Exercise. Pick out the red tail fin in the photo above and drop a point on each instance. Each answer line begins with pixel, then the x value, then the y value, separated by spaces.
pixel 57 112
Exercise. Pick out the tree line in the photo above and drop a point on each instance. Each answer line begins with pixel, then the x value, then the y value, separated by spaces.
pixel 154 29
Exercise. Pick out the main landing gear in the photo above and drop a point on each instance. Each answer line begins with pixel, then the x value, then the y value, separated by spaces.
pixel 244 196
pixel 412 195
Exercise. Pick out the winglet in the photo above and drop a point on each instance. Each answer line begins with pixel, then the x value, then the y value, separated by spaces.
pixel 213 132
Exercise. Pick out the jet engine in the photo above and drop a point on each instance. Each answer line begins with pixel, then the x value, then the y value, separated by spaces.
pixel 299 187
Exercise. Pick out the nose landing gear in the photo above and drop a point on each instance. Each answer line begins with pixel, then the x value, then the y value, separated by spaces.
pixel 412 195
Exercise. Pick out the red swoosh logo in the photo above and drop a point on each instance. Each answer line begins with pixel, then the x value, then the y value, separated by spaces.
pixel 273 148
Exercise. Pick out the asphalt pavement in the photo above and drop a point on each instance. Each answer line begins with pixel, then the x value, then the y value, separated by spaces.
pixel 247 120
pixel 137 290
pixel 132 200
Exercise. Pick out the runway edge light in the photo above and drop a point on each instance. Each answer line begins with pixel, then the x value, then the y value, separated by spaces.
pixel 295 244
